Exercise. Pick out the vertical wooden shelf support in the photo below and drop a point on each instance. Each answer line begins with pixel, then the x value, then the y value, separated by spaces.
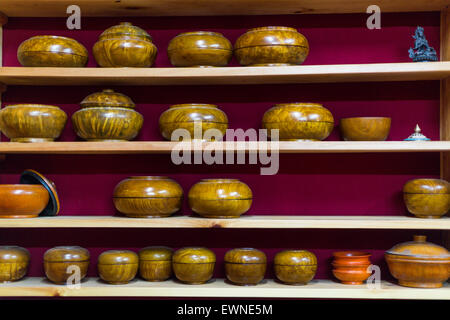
pixel 3 21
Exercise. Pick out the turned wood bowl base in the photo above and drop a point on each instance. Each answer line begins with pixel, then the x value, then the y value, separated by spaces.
pixel 218 217
pixel 152 216
pixel 106 140
pixel 271 65
pixel 18 216
pixel 413 284
pixel 352 282
pixel 30 140
pixel 428 217
pixel 117 282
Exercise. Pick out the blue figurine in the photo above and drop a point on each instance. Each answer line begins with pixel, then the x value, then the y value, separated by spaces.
pixel 422 51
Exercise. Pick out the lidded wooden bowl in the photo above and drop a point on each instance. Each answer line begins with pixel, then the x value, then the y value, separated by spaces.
pixel 245 266
pixel 427 198
pixel 155 263
pixel 107 116
pixel 62 262
pixel 118 266
pixel 200 49
pixel 125 45
pixel 148 196
pixel 271 46
pixel 351 267
pixel 14 263
pixel 418 263
pixel 220 198
pixel 296 267
pixel 52 51
pixel 32 122
pixel 193 117
pixel 365 128
pixel 299 121
pixel 193 265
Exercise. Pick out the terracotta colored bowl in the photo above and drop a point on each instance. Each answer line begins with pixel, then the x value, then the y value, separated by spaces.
pixel 22 200
pixel 351 267
pixel 365 128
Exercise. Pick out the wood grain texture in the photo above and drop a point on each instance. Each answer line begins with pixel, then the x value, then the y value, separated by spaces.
pixel 296 267
pixel 117 266
pixel 14 263
pixel 193 265
pixel 22 200
pixel 155 263
pixel 365 128
pixel 245 266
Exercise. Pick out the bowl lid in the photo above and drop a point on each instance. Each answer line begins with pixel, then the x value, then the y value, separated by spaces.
pixel 118 257
pixel 221 189
pixel 66 253
pixel 200 40
pixel 30 176
pixel 148 187
pixel 53 44
pixel 271 36
pixel 430 186
pixel 125 29
pixel 295 258
pixel 298 111
pixel 10 254
pixel 194 255
pixel 419 248
pixel 245 256
pixel 107 98
pixel 156 253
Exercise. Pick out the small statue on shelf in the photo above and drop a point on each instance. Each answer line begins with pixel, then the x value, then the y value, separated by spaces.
pixel 422 51
pixel 417 135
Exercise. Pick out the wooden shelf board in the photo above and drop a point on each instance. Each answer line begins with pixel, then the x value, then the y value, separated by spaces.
pixel 107 8
pixel 407 71
pixel 255 222
pixel 218 288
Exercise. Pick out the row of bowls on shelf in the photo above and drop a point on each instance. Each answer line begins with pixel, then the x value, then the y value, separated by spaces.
pixel 158 196
pixel 125 45
pixel 110 115
pixel 415 263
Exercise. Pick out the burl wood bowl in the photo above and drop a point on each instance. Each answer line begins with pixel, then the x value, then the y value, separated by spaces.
pixel 125 45
pixel 22 200
pixel 14 263
pixel 118 266
pixel 148 197
pixel 245 266
pixel 52 51
pixel 193 265
pixel 220 198
pixel 62 262
pixel 107 116
pixel 271 46
pixel 418 263
pixel 295 267
pixel 351 267
pixel 427 198
pixel 365 128
pixel 299 121
pixel 192 116
pixel 200 49
pixel 155 263
pixel 32 122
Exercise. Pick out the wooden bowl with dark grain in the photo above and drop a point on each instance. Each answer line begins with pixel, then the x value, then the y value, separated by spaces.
pixel 295 267
pixel 193 265
pixel 118 266
pixel 14 263
pixel 155 263
pixel 365 128
pixel 62 262
pixel 245 266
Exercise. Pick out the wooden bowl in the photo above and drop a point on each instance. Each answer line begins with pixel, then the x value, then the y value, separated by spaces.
pixel 124 45
pixel 299 121
pixel 190 116
pixel 295 267
pixel 427 198
pixel 62 262
pixel 14 263
pixel 419 264
pixel 220 198
pixel 365 128
pixel 351 267
pixel 52 51
pixel 148 197
pixel 245 266
pixel 271 46
pixel 22 200
pixel 193 265
pixel 118 266
pixel 155 263
pixel 32 122
pixel 200 49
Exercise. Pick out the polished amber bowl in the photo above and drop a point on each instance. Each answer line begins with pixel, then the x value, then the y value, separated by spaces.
pixel 62 262
pixel 193 265
pixel 271 46
pixel 365 128
pixel 32 122
pixel 118 266
pixel 52 51
pixel 148 196
pixel 22 200
pixel 245 266
pixel 155 263
pixel 220 198
pixel 296 267
pixel 299 121
pixel 200 49
pixel 14 263
pixel 351 267
pixel 193 118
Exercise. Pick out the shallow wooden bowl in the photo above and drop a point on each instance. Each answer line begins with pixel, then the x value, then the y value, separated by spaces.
pixel 245 266
pixel 32 122
pixel 14 263
pixel 296 267
pixel 193 265
pixel 155 263
pixel 22 200
pixel 59 261
pixel 118 266
pixel 365 128
pixel 350 267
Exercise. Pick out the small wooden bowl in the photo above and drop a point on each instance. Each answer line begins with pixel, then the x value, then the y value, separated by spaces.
pixel 155 263
pixel 118 266
pixel 295 267
pixel 193 265
pixel 22 200
pixel 14 263
pixel 59 261
pixel 427 198
pixel 32 122
pixel 365 128
pixel 52 51
pixel 245 266
pixel 351 267
pixel 200 49
pixel 220 198
pixel 148 197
